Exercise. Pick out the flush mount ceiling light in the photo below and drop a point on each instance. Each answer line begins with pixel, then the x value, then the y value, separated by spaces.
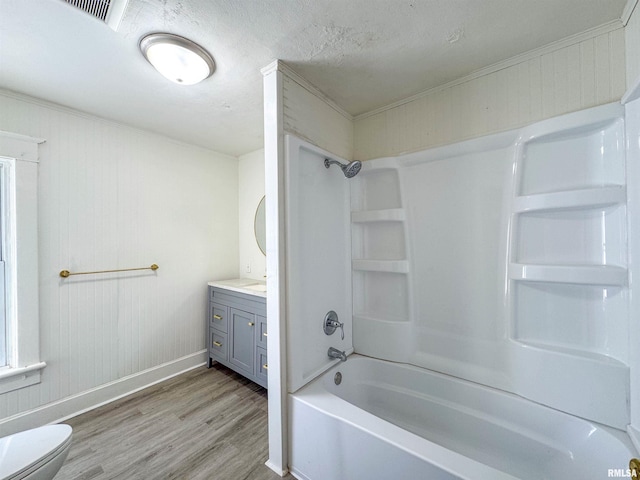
pixel 177 58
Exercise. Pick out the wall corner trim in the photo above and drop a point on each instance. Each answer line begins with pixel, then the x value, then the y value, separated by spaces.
pixel 272 67
pixel 628 11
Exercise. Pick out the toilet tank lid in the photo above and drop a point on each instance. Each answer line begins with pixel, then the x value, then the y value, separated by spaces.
pixel 21 450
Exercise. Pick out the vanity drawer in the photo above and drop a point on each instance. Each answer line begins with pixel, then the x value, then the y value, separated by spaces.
pixel 218 317
pixel 261 332
pixel 218 347
pixel 261 366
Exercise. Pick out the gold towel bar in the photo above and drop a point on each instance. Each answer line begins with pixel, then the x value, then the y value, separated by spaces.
pixel 67 273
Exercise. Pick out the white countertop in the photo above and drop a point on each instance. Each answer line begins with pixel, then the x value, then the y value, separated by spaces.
pixel 249 286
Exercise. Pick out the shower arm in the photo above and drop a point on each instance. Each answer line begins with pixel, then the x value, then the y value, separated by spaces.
pixel 328 162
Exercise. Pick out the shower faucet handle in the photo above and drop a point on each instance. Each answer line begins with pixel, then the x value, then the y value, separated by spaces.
pixel 331 324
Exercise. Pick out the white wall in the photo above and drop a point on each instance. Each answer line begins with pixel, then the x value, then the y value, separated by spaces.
pixel 250 192
pixel 276 278
pixel 576 73
pixel 111 196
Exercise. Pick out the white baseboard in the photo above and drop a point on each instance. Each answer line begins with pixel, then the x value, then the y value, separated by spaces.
pixel 69 407
pixel 300 476
pixel 276 468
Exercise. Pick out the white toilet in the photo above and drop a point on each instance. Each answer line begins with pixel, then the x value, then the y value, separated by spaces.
pixel 35 454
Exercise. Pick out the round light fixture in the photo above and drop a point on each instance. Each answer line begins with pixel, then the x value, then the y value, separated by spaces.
pixel 177 58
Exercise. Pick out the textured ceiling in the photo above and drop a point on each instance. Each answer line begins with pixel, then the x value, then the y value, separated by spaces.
pixel 363 54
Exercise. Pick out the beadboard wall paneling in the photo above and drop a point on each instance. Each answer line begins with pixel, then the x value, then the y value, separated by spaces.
pixel 310 117
pixel 111 196
pixel 585 74
pixel 250 191
pixel 632 43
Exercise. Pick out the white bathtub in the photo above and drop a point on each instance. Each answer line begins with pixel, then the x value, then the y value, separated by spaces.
pixel 395 421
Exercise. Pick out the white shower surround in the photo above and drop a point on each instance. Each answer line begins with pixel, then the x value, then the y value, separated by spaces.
pixel 512 265
pixel 522 246
pixel 318 241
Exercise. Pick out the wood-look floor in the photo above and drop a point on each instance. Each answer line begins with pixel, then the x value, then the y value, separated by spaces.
pixel 203 424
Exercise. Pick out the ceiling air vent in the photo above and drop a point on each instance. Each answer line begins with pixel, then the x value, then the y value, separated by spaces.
pixel 108 11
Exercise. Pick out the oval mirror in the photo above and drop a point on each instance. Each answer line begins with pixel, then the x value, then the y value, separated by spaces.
pixel 259 227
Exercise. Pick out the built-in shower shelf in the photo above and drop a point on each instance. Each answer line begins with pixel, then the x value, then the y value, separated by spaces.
pixel 391 266
pixel 583 198
pixel 576 274
pixel 386 215
pixel 562 350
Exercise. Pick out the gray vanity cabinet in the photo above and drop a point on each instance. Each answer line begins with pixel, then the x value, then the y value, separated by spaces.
pixel 237 331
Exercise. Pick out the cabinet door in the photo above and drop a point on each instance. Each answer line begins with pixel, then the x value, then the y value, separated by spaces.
pixel 243 346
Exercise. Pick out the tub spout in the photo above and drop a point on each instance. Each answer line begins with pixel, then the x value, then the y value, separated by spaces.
pixel 335 353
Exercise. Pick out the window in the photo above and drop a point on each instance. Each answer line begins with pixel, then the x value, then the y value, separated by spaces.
pixel 20 363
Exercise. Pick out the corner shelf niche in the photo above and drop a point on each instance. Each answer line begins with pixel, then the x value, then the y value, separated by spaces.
pixel 567 270
pixel 568 237
pixel 379 252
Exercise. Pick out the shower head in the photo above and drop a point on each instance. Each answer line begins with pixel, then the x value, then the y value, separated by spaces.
pixel 350 169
